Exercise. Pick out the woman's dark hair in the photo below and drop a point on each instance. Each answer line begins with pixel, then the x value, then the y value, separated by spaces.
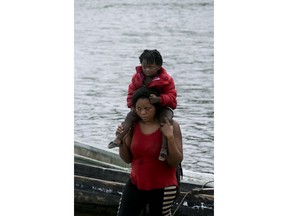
pixel 152 57
pixel 144 93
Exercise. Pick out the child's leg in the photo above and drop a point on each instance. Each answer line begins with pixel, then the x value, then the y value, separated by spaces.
pixel 166 112
pixel 127 124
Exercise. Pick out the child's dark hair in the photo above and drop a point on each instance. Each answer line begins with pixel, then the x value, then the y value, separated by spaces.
pixel 144 93
pixel 152 57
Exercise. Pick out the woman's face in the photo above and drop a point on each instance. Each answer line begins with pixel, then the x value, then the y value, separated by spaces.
pixel 145 110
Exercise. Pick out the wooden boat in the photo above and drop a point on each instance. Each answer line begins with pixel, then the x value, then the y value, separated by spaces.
pixel 100 176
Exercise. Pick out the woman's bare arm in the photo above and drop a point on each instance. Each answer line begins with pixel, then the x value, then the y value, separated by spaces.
pixel 124 148
pixel 173 134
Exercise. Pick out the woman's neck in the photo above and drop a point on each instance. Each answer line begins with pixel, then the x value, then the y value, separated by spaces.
pixel 149 127
pixel 155 120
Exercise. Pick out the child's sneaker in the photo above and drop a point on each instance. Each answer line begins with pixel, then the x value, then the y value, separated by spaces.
pixel 112 144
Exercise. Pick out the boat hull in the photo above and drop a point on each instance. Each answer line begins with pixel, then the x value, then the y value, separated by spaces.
pixel 99 183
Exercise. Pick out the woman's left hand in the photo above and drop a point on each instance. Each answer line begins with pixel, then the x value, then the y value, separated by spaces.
pixel 167 128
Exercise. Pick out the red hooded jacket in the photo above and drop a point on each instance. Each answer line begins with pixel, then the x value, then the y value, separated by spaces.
pixel 163 82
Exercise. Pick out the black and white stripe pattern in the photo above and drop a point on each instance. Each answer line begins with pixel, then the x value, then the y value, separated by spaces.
pixel 119 205
pixel 168 199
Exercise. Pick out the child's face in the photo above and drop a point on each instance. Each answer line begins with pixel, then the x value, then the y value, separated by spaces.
pixel 149 70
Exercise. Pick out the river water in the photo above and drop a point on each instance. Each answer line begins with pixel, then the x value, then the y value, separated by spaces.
pixel 109 37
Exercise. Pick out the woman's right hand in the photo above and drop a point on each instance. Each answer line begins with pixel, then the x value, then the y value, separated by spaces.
pixel 119 129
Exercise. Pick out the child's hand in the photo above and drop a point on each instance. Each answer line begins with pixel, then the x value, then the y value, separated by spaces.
pixel 154 99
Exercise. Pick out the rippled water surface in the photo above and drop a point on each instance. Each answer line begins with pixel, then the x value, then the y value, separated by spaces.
pixel 109 37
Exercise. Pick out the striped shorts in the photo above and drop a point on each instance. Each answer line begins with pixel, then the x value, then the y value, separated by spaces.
pixel 157 202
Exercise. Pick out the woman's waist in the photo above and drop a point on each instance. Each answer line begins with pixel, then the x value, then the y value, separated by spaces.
pixel 150 165
pixel 151 174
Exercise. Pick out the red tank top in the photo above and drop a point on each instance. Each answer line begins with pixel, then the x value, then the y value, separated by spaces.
pixel 147 171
